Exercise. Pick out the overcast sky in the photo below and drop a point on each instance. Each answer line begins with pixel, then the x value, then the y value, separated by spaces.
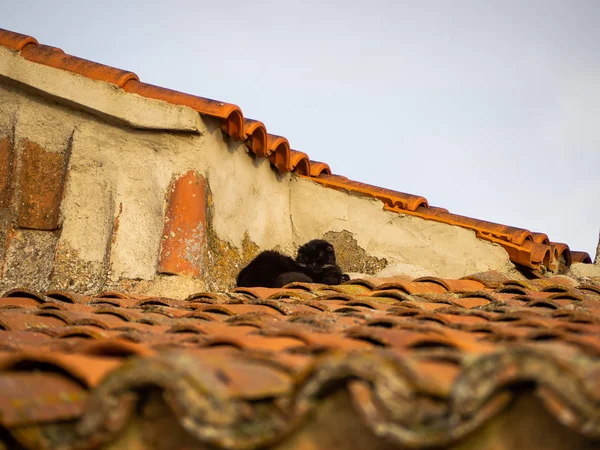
pixel 490 109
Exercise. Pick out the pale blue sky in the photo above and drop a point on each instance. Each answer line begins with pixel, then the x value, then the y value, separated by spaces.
pixel 490 109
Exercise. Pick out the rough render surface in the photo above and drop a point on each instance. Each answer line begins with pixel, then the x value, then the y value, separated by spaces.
pixel 28 259
pixel 580 270
pixel 116 193
pixel 133 170
pixel 440 249
pixel 248 198
pixel 351 256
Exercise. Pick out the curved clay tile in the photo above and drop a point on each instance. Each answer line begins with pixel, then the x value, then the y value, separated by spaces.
pixel 279 152
pixel 540 253
pixel 81 331
pixel 581 257
pixel 185 216
pixel 434 280
pixel 464 285
pixel 516 253
pixel 490 279
pixel 15 41
pixel 300 162
pixel 25 293
pixel 554 259
pixel 256 292
pixel 540 238
pixel 112 294
pixel 389 197
pixel 230 114
pixel 114 347
pixel 563 252
pixel 55 57
pixel 525 248
pixel 498 231
pixel 536 255
pixel 66 296
pixel 85 369
pixel 256 137
pixel 529 254
pixel 318 168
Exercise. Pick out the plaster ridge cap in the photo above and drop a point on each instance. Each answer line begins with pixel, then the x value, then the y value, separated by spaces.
pixel 100 98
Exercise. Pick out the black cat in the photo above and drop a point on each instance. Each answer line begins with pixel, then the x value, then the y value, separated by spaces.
pixel 315 263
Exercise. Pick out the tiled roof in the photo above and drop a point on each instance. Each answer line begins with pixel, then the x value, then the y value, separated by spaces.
pixel 427 362
pixel 526 248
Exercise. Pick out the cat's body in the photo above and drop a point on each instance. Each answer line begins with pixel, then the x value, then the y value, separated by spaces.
pixel 315 263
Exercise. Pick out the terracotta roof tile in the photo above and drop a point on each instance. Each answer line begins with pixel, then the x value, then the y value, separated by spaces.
pixel 300 163
pixel 392 199
pixel 278 152
pixel 491 279
pixel 231 115
pixel 318 169
pixel 581 257
pixel 25 293
pixel 15 41
pixel 55 57
pixel 39 398
pixel 530 249
pixel 424 362
pixel 454 354
pixel 185 215
pixel 18 302
pixel 256 137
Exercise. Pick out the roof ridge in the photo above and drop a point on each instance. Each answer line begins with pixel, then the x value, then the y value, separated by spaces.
pixel 530 249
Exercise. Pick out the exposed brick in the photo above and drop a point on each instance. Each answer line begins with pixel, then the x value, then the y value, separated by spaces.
pixel 41 185
pixel 6 170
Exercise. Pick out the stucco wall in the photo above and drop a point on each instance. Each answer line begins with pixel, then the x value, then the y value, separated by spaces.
pixel 123 153
pixel 401 240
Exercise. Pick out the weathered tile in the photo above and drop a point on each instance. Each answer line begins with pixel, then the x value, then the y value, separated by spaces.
pixel 41 184
pixel 184 235
pixel 6 170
